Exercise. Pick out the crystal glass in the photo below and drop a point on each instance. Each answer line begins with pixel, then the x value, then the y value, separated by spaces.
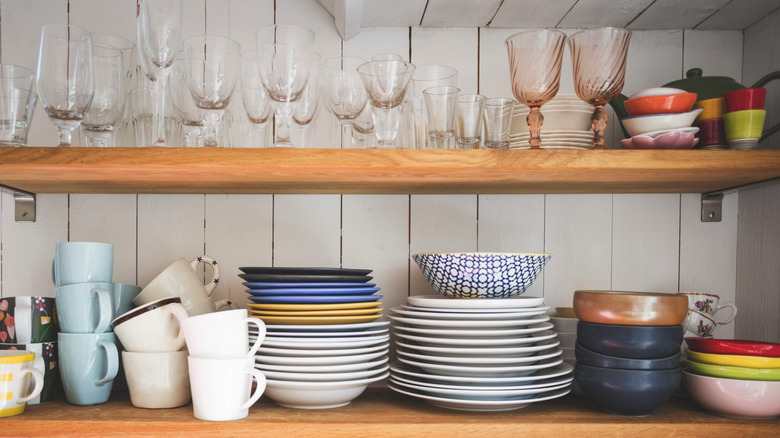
pixel 305 108
pixel 66 80
pixel 469 120
pixel 190 115
pixel 344 93
pixel 424 77
pixel 121 135
pixel 17 104
pixel 599 63
pixel 256 102
pixel 535 57
pixel 212 67
pixel 107 109
pixel 285 61
pixel 159 26
pixel 497 117
pixel 440 106
pixel 386 83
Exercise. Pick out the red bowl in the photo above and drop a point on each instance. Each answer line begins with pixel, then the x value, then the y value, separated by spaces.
pixel 733 346
pixel 665 104
pixel 745 99
pixel 711 132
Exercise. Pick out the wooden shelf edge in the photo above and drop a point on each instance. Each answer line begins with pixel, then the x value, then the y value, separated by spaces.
pixel 396 171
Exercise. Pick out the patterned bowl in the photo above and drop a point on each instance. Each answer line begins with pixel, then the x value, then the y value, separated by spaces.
pixel 480 274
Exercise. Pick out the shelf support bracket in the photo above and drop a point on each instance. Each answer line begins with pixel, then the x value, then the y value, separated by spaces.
pixel 24 204
pixel 711 207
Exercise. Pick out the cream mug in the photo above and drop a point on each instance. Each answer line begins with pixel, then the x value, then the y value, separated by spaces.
pixel 154 327
pixel 157 380
pixel 709 304
pixel 16 367
pixel 179 279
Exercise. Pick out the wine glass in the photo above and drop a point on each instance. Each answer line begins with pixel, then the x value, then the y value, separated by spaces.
pixel 108 102
pixel 599 64
pixel 344 93
pixel 257 103
pixel 121 135
pixel 285 62
pixel 159 35
pixel 212 66
pixel 305 108
pixel 184 105
pixel 66 80
pixel 386 83
pixel 535 57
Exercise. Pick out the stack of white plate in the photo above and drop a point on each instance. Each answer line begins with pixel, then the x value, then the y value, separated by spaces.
pixel 566 124
pixel 321 366
pixel 477 355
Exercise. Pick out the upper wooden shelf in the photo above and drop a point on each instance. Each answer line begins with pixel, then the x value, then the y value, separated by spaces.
pixel 349 171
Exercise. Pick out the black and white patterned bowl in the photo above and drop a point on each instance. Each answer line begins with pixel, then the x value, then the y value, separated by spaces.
pixel 481 274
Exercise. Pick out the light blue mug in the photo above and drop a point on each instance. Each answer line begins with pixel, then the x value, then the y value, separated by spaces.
pixel 82 262
pixel 85 307
pixel 89 362
pixel 123 297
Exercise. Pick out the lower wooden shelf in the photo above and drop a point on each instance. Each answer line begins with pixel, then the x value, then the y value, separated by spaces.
pixel 381 412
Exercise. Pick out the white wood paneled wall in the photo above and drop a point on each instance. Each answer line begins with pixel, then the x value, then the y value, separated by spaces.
pixel 637 242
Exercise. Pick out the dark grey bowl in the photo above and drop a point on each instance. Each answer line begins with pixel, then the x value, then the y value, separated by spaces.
pixel 594 359
pixel 630 341
pixel 627 392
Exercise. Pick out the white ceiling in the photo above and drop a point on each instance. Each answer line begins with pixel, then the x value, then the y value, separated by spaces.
pixel 351 15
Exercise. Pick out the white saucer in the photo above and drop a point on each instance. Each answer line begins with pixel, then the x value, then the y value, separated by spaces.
pixel 309 352
pixel 482 371
pixel 442 302
pixel 480 405
pixel 508 341
pixel 480 360
pixel 454 323
pixel 474 333
pixel 471 351
pixel 561 370
pixel 319 360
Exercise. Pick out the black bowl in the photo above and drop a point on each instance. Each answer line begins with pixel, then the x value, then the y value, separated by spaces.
pixel 594 359
pixel 631 341
pixel 627 392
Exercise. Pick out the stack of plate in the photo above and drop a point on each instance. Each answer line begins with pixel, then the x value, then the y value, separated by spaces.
pixel 566 124
pixel 477 355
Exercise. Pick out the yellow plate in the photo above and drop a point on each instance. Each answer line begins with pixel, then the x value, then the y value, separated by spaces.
pixel 735 360
pixel 306 307
pixel 346 312
pixel 320 320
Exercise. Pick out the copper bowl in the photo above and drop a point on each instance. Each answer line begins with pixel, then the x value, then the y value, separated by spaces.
pixel 630 308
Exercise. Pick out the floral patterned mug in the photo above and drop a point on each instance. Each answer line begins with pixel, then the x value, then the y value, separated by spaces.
pixel 27 319
pixel 709 305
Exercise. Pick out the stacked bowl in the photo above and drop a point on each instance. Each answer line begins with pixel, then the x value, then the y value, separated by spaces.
pixel 744 117
pixel 323 344
pixel 734 378
pixel 660 118
pixel 711 133
pixel 566 124
pixel 628 348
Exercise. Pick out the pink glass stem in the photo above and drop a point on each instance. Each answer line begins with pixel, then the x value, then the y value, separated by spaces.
pixel 599 122
pixel 535 120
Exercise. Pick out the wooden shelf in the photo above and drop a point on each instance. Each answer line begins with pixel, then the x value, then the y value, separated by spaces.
pixel 381 412
pixel 213 170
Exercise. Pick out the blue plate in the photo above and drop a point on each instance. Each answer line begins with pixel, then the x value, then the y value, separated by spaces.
pixel 308 299
pixel 277 285
pixel 314 291
pixel 306 278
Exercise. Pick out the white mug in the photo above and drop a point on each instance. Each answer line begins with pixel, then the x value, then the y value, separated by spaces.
pixel 222 334
pixel 16 368
pixel 157 380
pixel 82 262
pixel 179 279
pixel 221 388
pixel 709 304
pixel 207 305
pixel 154 327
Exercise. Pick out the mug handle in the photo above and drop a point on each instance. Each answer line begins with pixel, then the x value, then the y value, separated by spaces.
pixel 23 315
pixel 112 359
pixel 731 317
pixel 37 376
pixel 212 283
pixel 259 390
pixel 260 334
pixel 104 305
pixel 180 313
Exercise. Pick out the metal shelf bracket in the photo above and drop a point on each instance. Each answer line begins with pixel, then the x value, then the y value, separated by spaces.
pixel 712 207
pixel 24 204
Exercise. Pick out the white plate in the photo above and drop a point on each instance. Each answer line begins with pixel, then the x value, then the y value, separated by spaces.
pixel 482 371
pixel 311 368
pixel 481 360
pixel 561 370
pixel 466 316
pixel 319 345
pixel 442 302
pixel 325 327
pixel 312 334
pixel 472 351
pixel 509 341
pixel 518 310
pixel 537 384
pixel 478 394
pixel 293 341
pixel 308 352
pixel 317 395
pixel 461 324
pixel 480 405
pixel 323 377
pixel 490 333
pixel 319 360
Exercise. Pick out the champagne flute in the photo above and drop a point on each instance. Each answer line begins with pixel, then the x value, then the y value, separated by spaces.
pixel 66 80
pixel 535 58
pixel 108 102
pixel 599 64
pixel 159 35
pixel 386 83
pixel 344 93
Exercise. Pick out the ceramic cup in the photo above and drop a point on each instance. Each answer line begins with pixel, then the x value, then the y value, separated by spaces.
pixel 179 279
pixel 744 124
pixel 16 368
pixel 82 262
pixel 745 99
pixel 711 109
pixel 711 132
pixel 89 362
pixel 222 334
pixel 122 297
pixel 709 304
pixel 28 319
pixel 85 307
pixel 151 328
pixel 46 362
pixel 221 388
pixel 699 324
pixel 157 380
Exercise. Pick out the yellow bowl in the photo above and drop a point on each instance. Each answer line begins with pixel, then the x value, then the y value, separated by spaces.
pixel 735 360
pixel 713 108
pixel 729 372
pixel 744 124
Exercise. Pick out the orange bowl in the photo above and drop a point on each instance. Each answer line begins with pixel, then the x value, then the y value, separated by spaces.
pixel 667 104
pixel 630 308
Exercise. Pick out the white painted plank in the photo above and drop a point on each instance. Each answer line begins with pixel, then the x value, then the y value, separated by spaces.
pixel 739 15
pixel 676 14
pixel 717 53
pixel 454 47
pixel 246 17
pixel 760 58
pixel 398 13
pixel 645 242
pixel 513 223
pixel 464 13
pixel 494 63
pixel 531 13
pixel 598 13
pixel 307 230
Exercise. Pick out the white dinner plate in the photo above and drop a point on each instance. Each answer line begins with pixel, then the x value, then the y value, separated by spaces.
pixel 532 311
pixel 311 368
pixel 442 302
pixel 324 377
pixel 325 327
pixel 319 352
pixel 320 344
pixel 480 405
pixel 480 342
pixel 537 384
pixel 482 371
pixel 474 333
pixel 471 351
pixel 481 360
pixel 319 360
pixel 316 334
pixel 479 324
pixel 479 394
pixel 543 375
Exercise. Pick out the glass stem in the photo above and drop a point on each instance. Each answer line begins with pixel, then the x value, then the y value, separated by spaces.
pixel 257 134
pixel 193 136
pixel 211 120
pixel 66 135
pixel 159 107
pixel 599 122
pixel 386 122
pixel 535 120
pixel 282 124
pixel 346 134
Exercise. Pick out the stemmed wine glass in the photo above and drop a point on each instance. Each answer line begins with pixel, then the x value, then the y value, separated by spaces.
pixel 599 63
pixel 184 105
pixel 108 102
pixel 212 66
pixel 344 93
pixel 305 108
pixel 127 48
pixel 284 59
pixel 159 35
pixel 386 83
pixel 535 57
pixel 66 80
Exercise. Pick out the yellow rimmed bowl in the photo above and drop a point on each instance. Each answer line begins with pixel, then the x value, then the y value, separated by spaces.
pixel 734 360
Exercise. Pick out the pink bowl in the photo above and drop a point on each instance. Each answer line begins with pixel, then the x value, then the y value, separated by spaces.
pixel 745 99
pixel 670 140
pixel 737 398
